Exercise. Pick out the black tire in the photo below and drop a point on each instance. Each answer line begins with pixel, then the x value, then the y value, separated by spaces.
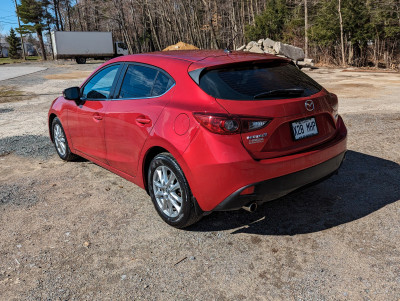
pixel 80 60
pixel 57 132
pixel 190 211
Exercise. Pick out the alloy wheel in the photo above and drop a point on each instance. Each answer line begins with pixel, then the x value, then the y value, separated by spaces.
pixel 167 191
pixel 59 140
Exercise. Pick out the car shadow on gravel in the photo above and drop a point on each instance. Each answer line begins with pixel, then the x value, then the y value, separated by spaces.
pixel 364 185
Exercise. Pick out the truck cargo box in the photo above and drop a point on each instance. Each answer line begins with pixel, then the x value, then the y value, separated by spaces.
pixel 72 44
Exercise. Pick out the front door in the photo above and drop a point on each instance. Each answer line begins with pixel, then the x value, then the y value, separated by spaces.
pixel 86 122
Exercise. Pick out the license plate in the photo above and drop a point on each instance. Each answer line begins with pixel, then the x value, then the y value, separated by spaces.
pixel 304 128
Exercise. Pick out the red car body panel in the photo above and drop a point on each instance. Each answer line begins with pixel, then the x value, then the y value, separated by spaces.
pixel 119 134
pixel 85 125
pixel 139 117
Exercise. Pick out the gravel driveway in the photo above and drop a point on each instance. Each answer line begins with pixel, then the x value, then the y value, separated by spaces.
pixel 74 231
pixel 7 72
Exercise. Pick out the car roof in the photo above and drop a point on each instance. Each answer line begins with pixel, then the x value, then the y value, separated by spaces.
pixel 200 58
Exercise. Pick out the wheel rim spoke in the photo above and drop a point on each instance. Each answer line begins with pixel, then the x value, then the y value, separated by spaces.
pixel 174 203
pixel 164 175
pixel 159 175
pixel 171 179
pixel 175 196
pixel 175 186
pixel 158 184
pixel 164 205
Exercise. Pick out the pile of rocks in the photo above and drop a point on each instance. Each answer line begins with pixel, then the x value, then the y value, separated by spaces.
pixel 278 48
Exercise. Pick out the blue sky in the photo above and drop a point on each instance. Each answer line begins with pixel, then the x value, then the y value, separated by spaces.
pixel 8 17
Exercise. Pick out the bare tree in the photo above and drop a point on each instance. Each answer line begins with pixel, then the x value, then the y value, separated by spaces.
pixel 306 27
pixel 341 31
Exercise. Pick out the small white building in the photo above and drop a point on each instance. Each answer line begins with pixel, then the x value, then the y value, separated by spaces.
pixel 30 49
pixel 4 46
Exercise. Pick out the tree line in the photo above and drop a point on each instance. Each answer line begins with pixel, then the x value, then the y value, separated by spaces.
pixel 340 32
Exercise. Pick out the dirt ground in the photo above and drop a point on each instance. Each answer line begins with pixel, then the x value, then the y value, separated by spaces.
pixel 74 231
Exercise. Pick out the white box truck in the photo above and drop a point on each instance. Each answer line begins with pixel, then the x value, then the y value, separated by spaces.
pixel 81 45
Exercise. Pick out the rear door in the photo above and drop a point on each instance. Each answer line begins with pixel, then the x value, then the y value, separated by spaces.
pixel 86 121
pixel 142 93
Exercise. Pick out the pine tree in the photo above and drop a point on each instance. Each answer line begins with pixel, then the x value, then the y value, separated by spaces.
pixel 15 45
pixel 271 23
pixel 34 11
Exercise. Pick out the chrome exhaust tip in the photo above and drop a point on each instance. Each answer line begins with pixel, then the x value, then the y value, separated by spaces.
pixel 250 207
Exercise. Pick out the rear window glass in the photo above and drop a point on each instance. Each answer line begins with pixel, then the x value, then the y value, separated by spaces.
pixel 261 81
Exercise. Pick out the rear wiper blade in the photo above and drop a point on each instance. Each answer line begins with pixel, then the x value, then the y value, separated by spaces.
pixel 280 92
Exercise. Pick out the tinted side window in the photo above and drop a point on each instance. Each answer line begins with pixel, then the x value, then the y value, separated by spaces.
pixel 138 82
pixel 99 86
pixel 122 46
pixel 162 84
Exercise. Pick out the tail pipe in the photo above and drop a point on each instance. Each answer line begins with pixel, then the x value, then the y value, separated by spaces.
pixel 250 207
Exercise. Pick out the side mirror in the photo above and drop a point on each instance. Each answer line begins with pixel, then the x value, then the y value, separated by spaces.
pixel 72 93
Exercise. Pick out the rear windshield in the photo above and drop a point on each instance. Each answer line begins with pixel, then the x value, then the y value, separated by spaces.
pixel 261 81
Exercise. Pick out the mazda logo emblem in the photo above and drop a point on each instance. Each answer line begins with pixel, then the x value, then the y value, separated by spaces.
pixel 309 105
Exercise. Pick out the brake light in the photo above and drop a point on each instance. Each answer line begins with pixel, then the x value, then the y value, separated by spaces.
pixel 228 125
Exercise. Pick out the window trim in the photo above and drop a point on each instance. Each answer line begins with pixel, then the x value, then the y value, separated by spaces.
pixel 113 86
pixel 118 85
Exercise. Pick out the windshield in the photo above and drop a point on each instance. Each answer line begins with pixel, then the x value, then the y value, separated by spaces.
pixel 258 81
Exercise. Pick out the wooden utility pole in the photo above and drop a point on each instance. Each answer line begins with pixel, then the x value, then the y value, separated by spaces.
pixel 306 28
pixel 341 32
pixel 20 34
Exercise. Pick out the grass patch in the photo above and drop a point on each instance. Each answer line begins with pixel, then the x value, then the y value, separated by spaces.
pixel 33 58
pixel 12 94
pixel 71 75
pixel 7 60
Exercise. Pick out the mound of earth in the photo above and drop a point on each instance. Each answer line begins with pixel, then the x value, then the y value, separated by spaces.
pixel 180 46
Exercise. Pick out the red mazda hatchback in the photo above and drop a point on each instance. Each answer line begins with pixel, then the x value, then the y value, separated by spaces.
pixel 202 131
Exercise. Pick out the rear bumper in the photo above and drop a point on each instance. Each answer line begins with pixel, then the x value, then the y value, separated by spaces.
pixel 274 188
pixel 219 169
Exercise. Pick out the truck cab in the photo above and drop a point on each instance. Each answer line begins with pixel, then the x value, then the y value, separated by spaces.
pixel 120 49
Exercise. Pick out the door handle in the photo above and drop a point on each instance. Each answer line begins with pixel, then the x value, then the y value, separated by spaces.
pixel 143 120
pixel 97 116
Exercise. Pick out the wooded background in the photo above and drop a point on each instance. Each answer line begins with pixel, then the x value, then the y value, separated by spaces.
pixel 340 32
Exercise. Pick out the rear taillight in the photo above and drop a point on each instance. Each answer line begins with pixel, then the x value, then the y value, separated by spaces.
pixel 219 124
pixel 250 125
pixel 228 125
